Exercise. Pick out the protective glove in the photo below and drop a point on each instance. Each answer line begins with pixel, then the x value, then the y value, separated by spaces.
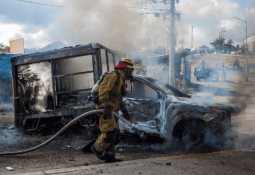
pixel 124 111
pixel 126 115
pixel 107 112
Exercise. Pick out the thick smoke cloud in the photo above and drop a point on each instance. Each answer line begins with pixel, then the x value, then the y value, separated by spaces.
pixel 114 22
pixel 106 21
pixel 118 26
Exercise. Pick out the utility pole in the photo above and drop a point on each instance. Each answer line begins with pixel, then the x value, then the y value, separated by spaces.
pixel 166 8
pixel 222 31
pixel 182 43
pixel 192 37
pixel 246 52
pixel 245 48
pixel 172 42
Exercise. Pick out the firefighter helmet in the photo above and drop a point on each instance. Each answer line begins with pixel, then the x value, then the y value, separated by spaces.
pixel 125 62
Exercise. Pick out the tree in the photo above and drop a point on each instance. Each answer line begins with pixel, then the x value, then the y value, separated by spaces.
pixel 230 47
pixel 218 44
pixel 224 47
pixel 4 48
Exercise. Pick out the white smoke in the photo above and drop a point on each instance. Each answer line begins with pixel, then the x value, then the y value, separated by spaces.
pixel 116 24
pixel 105 21
pixel 40 87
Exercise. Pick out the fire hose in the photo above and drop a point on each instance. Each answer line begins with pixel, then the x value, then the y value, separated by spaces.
pixel 86 114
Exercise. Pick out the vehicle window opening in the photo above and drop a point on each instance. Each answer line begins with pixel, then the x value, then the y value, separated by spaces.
pixel 73 78
pixel 34 85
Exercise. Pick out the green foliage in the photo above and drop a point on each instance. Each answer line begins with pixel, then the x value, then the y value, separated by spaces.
pixel 220 45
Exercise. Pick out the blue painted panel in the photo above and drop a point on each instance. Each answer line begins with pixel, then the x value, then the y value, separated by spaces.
pixel 5 82
pixel 5 67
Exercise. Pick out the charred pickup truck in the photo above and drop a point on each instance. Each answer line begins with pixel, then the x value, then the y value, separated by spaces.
pixel 161 110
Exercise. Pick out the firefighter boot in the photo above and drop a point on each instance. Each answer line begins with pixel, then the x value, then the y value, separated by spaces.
pixel 109 155
pixel 99 155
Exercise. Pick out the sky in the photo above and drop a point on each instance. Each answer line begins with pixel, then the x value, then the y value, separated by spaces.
pixel 117 25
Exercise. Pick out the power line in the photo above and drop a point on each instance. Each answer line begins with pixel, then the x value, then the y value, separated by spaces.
pixel 39 3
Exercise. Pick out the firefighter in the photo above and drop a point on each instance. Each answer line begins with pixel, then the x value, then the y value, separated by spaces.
pixel 111 91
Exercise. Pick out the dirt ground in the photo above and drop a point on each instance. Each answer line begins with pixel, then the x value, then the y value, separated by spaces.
pixel 65 151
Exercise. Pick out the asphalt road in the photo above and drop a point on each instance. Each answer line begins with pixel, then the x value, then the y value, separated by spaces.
pixel 223 163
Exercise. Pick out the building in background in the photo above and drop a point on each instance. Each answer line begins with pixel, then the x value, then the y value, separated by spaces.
pixel 251 44
pixel 17 46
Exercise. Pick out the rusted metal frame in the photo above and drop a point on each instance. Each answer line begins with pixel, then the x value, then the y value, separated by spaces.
pixel 15 97
pixel 99 46
pixel 52 63
pixel 47 114
pixel 68 92
pixel 67 75
pixel 52 55
pixel 58 89
pixel 58 77
pixel 56 113
pixel 94 64
pixel 107 61
pixel 113 57
pixel 151 85
pixel 73 74
pixel 114 53
pixel 99 59
pixel 36 127
pixel 55 83
pixel 96 58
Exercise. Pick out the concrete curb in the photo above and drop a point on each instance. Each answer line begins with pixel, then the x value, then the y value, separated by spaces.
pixel 132 163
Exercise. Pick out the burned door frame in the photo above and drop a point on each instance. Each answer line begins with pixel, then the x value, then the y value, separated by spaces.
pixel 58 111
pixel 153 124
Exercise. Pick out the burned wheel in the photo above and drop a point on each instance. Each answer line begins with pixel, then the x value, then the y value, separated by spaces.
pixel 193 135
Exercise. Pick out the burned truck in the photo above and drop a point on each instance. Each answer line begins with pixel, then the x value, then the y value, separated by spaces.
pixel 50 88
pixel 160 110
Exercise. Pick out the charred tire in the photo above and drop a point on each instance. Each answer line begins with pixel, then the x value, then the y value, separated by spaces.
pixel 193 135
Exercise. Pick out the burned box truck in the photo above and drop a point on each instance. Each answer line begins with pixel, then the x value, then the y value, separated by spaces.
pixel 50 88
